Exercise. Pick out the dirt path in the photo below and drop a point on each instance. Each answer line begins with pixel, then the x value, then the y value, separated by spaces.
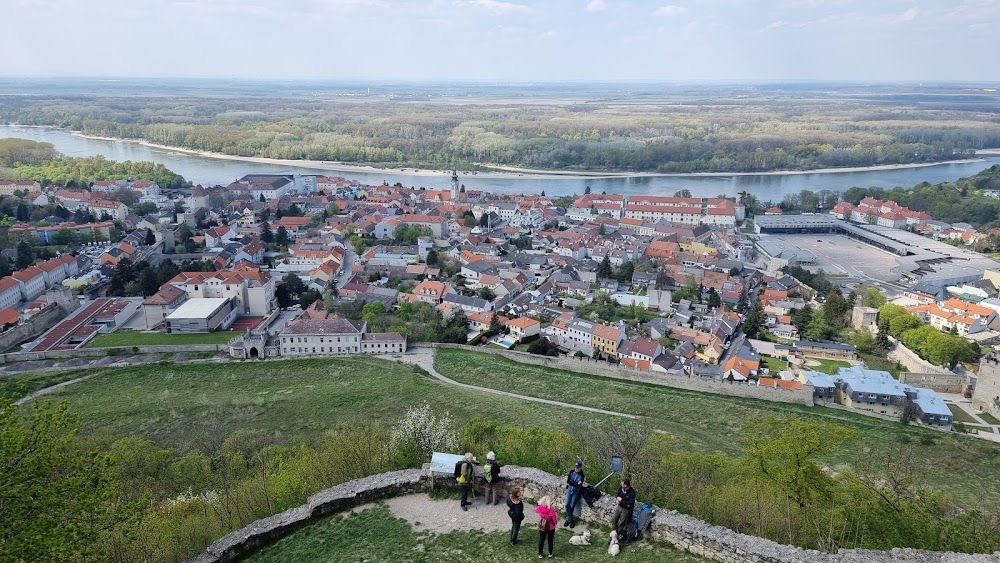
pixel 424 357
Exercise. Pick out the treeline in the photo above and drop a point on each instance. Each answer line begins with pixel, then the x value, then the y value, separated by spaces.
pixel 128 499
pixel 80 172
pixel 656 137
pixel 18 152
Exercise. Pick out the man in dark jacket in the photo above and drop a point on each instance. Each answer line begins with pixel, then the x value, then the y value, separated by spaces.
pixel 574 486
pixel 624 503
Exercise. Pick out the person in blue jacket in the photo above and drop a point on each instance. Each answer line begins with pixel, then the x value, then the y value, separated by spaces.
pixel 574 486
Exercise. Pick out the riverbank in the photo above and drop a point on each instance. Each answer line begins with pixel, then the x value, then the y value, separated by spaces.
pixel 503 172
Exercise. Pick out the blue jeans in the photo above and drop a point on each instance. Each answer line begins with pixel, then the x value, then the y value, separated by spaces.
pixel 572 500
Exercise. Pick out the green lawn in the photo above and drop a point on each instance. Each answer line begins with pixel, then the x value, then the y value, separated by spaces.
pixel 708 423
pixel 376 535
pixel 173 404
pixel 133 338
pixel 773 364
pixel 827 366
pixel 20 384
pixel 988 418
pixel 961 415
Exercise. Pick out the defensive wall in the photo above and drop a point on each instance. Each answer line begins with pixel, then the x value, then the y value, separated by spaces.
pixel 112 351
pixel 940 382
pixel 684 532
pixel 803 396
pixel 32 328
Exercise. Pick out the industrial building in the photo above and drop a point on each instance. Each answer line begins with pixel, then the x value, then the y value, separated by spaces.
pixel 202 314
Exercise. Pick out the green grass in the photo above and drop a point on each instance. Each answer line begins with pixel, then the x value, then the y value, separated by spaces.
pixel 174 404
pixel 133 338
pixel 961 415
pixel 829 367
pixel 988 418
pixel 774 364
pixel 375 534
pixel 20 384
pixel 709 423
pixel 873 361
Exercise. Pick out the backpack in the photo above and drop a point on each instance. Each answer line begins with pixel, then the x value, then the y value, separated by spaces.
pixel 491 471
pixel 641 523
pixel 458 468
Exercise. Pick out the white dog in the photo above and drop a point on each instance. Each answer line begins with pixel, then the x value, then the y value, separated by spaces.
pixel 614 548
pixel 582 539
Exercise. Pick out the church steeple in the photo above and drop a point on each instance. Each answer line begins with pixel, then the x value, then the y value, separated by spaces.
pixel 455 186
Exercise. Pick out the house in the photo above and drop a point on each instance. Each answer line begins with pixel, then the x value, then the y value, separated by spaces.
pixel 468 304
pixel 336 336
pixel 252 290
pixel 31 282
pixel 220 236
pixel 640 350
pixel 156 307
pixel 826 350
pixel 10 292
pixel 8 187
pixel 433 292
pixel 523 327
pixel 607 338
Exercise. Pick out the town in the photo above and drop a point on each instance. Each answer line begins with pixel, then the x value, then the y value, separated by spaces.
pixel 870 306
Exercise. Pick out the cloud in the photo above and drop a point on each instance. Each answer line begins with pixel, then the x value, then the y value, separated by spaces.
pixel 902 18
pixel 498 8
pixel 595 6
pixel 668 10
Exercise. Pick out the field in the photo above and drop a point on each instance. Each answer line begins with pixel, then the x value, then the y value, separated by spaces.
pixel 376 535
pixel 826 366
pixel 133 338
pixel 176 404
pixel 711 423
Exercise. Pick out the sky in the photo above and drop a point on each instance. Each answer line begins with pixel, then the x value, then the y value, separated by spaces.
pixel 497 40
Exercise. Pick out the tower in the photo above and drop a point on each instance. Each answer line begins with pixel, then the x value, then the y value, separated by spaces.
pixel 455 187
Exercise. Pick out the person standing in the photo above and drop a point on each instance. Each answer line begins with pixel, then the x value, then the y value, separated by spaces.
pixel 491 474
pixel 466 473
pixel 548 521
pixel 515 509
pixel 574 487
pixel 624 503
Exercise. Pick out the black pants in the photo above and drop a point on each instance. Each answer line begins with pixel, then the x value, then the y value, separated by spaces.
pixel 515 528
pixel 465 494
pixel 551 535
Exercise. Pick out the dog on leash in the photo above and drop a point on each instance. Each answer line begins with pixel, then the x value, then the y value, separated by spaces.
pixel 582 539
pixel 614 548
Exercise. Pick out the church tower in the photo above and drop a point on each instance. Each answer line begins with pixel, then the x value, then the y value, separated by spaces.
pixel 455 186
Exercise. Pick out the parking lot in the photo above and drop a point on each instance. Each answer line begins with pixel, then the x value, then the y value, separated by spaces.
pixel 838 254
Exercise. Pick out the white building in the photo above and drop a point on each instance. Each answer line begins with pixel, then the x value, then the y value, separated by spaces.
pixel 330 337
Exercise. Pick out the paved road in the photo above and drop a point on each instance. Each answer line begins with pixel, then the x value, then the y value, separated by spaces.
pixel 345 274
pixel 424 357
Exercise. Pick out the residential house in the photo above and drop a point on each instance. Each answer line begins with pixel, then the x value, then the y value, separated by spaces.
pixel 607 338
pixel 523 327
pixel 826 350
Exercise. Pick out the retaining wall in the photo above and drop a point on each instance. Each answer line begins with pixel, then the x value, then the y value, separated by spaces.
pixel 803 396
pixel 114 351
pixel 684 532
pixel 33 327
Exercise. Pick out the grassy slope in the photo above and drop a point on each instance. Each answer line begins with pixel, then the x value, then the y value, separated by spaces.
pixel 375 535
pixel 711 423
pixel 173 404
pixel 134 338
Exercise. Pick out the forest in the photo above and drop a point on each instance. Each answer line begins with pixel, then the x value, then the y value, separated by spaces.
pixel 672 135
pixel 22 159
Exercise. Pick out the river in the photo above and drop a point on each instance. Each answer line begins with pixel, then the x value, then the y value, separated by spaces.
pixel 767 187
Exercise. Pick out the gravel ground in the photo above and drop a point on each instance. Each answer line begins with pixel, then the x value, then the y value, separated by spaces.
pixel 443 516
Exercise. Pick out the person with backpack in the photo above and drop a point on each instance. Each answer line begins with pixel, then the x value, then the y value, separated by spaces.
pixel 574 486
pixel 548 521
pixel 515 509
pixel 491 474
pixel 464 474
pixel 624 503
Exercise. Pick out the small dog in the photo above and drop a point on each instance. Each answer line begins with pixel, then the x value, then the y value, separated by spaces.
pixel 582 539
pixel 614 548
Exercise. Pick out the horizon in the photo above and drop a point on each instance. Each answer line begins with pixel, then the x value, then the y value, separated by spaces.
pixel 564 41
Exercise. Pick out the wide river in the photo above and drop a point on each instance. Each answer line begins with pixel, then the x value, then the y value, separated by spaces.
pixel 767 187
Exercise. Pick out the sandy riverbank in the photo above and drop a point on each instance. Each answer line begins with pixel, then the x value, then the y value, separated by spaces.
pixel 510 171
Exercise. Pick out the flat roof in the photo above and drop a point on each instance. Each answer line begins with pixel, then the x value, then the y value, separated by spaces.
pixel 929 402
pixel 795 221
pixel 198 308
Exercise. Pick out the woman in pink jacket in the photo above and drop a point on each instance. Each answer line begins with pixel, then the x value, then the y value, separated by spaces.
pixel 548 520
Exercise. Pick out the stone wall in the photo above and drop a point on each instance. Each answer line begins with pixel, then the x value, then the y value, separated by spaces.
pixel 33 327
pixel 940 382
pixel 115 351
pixel 911 360
pixel 803 396
pixel 684 532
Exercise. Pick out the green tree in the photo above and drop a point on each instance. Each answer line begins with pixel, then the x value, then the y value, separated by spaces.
pixel 372 311
pixel 149 282
pixel 683 193
pixel 882 337
pixel 873 298
pixel 624 272
pixel 863 341
pixel 64 237
pixel 756 320
pixel 604 268
pixel 496 327
pixel 25 257
pixel 486 293
pixel 785 449
pixel 714 299
pixel 266 236
pixel 432 257
pixel 888 312
pixel 835 309
pixel 281 237
pixel 818 328
pixel 150 237
pixel 903 323
pixel 56 498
